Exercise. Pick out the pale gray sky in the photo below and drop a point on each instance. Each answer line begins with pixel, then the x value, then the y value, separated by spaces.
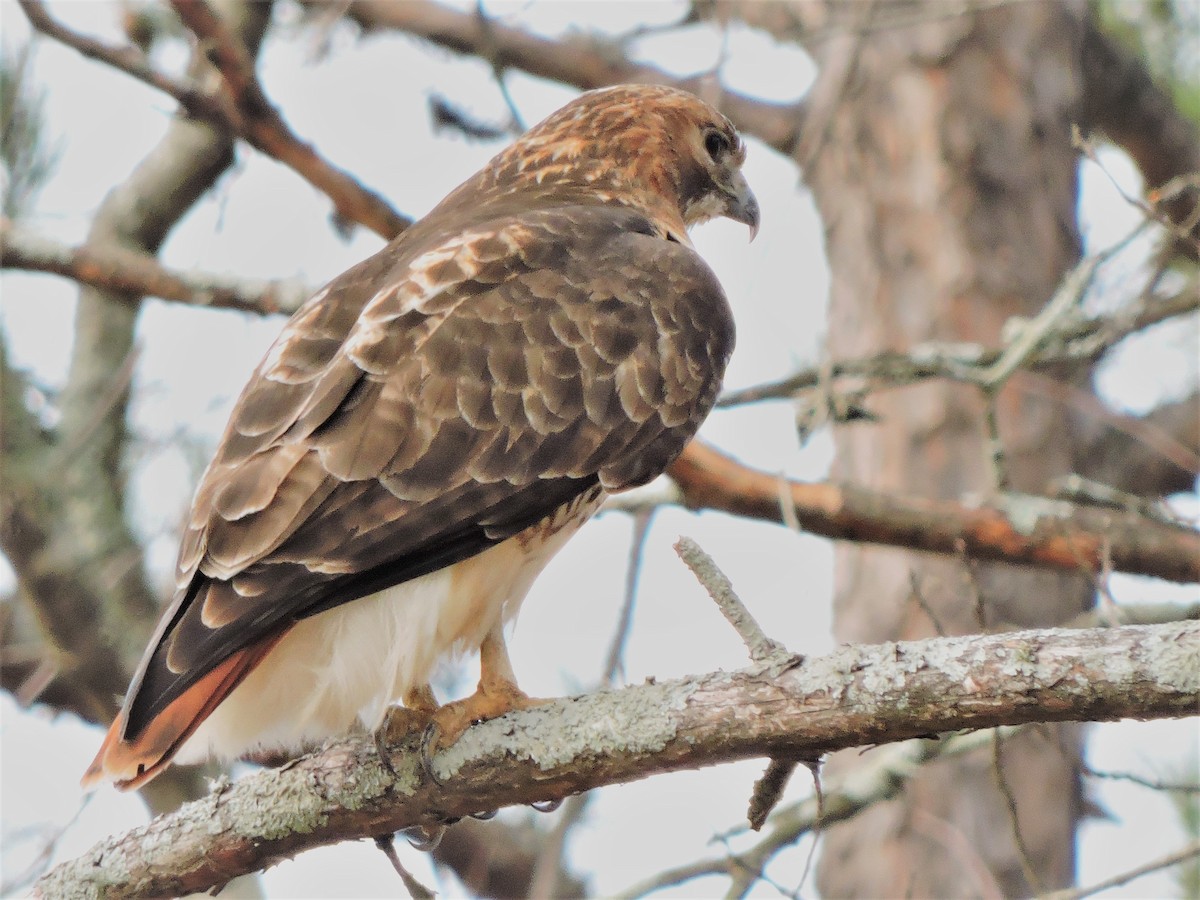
pixel 364 107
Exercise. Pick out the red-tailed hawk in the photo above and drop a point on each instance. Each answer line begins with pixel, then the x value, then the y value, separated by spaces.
pixel 432 426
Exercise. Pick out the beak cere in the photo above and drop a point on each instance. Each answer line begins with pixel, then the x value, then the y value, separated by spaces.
pixel 742 205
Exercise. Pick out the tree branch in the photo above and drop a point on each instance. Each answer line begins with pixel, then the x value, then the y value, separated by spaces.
pixel 111 267
pixel 1174 858
pixel 857 695
pixel 1077 340
pixel 579 61
pixel 883 777
pixel 1014 528
pixel 128 59
pixel 260 124
pixel 244 111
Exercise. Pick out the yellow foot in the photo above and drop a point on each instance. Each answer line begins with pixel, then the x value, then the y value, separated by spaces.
pixel 449 723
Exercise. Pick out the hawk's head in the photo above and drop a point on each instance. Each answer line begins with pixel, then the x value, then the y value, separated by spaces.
pixel 657 148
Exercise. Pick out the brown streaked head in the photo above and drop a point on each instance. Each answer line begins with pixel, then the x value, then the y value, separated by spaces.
pixel 656 148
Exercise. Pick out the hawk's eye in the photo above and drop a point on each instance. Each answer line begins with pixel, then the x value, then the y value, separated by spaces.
pixel 716 144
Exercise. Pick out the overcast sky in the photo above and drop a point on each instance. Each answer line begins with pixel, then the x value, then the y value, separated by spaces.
pixel 364 106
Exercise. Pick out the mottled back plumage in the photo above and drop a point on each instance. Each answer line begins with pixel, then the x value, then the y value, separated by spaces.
pixel 546 332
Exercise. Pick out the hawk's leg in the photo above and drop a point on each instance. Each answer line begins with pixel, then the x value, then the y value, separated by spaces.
pixel 497 694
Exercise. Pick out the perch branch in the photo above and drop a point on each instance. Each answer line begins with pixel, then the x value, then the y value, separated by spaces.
pixel 855 696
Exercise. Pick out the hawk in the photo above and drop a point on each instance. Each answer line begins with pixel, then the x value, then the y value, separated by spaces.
pixel 432 426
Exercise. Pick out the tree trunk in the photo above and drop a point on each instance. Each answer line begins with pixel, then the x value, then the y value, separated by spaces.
pixel 945 175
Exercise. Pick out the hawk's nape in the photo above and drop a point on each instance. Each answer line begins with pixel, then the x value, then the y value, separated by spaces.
pixel 432 426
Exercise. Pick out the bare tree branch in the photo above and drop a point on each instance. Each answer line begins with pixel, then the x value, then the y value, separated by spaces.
pixel 260 123
pixel 857 695
pixel 1077 340
pixel 890 768
pixel 244 110
pixel 128 59
pixel 1016 528
pixel 1174 858
pixel 113 268
pixel 580 61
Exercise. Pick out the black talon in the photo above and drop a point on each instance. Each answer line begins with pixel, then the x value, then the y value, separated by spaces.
pixel 385 758
pixel 424 838
pixel 485 815
pixel 432 733
pixel 546 806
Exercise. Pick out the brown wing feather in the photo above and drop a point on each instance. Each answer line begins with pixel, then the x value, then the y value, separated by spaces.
pixel 433 401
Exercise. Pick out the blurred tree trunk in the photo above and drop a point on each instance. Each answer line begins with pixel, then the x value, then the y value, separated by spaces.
pixel 942 163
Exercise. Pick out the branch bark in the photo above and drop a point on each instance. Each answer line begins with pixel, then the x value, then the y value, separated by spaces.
pixel 866 694
pixel 1015 528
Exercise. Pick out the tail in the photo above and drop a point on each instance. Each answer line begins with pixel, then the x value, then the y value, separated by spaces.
pixel 131 762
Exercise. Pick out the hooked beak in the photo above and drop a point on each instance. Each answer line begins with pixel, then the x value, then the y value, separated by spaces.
pixel 741 205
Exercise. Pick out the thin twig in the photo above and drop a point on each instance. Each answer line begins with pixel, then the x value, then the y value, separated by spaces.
pixel 762 648
pixel 814 769
pixel 882 778
pixel 997 456
pixel 973 585
pixel 1152 210
pixel 1141 780
pixel 128 59
pixel 1034 332
pixel 416 890
pixel 1010 802
pixel 918 596
pixel 1183 854
pixel 614 664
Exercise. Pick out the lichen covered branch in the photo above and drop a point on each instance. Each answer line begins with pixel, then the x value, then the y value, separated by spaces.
pixel 866 694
